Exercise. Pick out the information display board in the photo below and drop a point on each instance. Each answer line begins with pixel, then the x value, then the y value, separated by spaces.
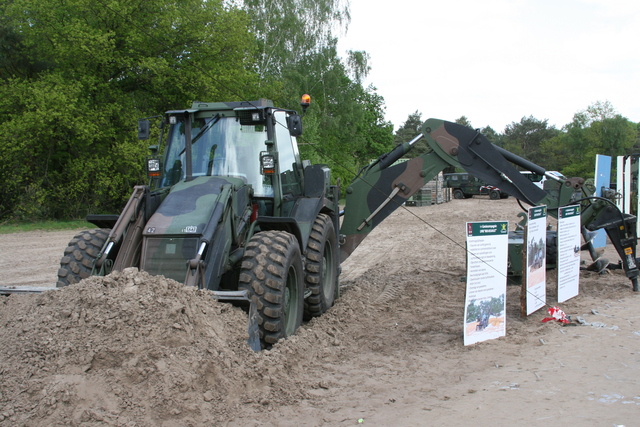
pixel 568 252
pixel 487 257
pixel 536 256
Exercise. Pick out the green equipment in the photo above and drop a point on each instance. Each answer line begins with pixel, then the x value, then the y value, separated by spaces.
pixel 232 208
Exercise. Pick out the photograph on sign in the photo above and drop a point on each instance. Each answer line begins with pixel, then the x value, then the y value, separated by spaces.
pixel 536 255
pixel 484 319
pixel 568 252
pixel 487 256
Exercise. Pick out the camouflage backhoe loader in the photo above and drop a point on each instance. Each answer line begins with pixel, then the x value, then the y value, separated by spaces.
pixel 231 208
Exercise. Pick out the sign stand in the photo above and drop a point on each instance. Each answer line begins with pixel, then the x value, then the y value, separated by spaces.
pixel 487 258
pixel 568 252
pixel 534 290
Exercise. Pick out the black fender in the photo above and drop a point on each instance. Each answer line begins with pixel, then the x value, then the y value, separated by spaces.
pixel 102 221
pixel 288 224
pixel 304 213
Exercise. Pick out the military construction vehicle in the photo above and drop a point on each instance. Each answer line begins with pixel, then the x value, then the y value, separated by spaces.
pixel 465 186
pixel 232 208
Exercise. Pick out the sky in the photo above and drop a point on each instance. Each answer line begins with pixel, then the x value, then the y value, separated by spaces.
pixel 497 61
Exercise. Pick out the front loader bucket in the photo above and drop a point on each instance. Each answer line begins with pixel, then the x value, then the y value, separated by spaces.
pixel 252 327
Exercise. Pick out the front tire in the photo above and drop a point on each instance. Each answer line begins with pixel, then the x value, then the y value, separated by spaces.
pixel 321 267
pixel 458 194
pixel 272 272
pixel 494 195
pixel 77 262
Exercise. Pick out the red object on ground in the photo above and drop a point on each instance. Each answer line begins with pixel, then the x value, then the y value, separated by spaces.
pixel 556 314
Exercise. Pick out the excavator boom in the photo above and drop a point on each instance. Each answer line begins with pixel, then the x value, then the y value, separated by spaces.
pixel 385 184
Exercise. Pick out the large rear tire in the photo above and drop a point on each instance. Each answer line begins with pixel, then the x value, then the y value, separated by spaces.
pixel 77 262
pixel 321 267
pixel 272 272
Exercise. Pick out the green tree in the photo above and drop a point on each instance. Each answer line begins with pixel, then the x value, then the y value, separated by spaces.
pixel 288 31
pixel 599 129
pixel 495 306
pixel 411 128
pixel 464 121
pixel 67 120
pixel 492 135
pixel 525 138
pixel 75 74
pixel 345 126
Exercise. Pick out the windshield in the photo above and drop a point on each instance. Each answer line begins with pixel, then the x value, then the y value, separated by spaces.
pixel 224 148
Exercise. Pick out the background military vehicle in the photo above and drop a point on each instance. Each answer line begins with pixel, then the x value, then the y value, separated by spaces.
pixel 464 186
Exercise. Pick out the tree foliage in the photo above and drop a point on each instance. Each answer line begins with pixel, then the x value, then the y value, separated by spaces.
pixel 464 121
pixel 525 138
pixel 76 75
pixel 345 126
pixel 290 30
pixel 596 130
pixel 411 128
pixel 477 309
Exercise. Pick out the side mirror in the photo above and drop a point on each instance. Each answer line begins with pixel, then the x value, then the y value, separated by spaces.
pixel 143 129
pixel 294 122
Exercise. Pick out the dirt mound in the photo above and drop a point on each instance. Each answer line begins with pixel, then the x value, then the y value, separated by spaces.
pixel 130 349
pixel 133 349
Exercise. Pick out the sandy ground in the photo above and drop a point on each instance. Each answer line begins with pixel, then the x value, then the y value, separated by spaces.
pixel 132 350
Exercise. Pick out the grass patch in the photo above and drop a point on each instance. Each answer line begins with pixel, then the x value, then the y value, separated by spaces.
pixel 20 227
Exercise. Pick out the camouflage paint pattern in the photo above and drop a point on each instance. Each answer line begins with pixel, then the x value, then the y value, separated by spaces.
pixel 190 206
pixel 192 213
pixel 373 188
pixel 467 148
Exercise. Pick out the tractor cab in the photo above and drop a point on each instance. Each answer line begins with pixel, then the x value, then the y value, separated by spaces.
pixel 251 141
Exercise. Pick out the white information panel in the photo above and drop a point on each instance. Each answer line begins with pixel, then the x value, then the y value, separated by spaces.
pixel 568 252
pixel 487 256
pixel 536 250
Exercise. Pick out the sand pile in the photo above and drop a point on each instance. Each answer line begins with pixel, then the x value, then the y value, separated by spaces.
pixel 130 349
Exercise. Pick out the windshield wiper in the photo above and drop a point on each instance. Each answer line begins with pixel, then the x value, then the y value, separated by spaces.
pixel 215 119
pixel 209 125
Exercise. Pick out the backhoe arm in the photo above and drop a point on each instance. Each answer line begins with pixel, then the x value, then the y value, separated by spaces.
pixel 384 185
